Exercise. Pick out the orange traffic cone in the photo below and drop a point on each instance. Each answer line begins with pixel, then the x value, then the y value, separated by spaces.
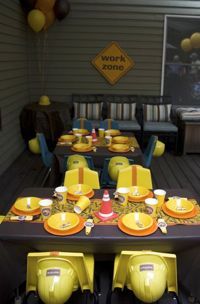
pixel 106 213
pixel 94 136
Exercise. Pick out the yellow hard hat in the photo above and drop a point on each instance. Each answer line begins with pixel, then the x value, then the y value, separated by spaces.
pixel 44 101
pixel 148 277
pixel 117 163
pixel 76 161
pixel 34 146
pixel 159 148
pixel 56 279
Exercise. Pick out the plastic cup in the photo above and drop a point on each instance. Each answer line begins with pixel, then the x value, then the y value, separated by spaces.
pixel 61 195
pixel 151 206
pixel 101 132
pixel 89 140
pixel 82 204
pixel 122 195
pixel 108 140
pixel 160 195
pixel 45 208
pixel 78 137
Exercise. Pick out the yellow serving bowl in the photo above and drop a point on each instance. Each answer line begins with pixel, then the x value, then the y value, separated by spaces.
pixel 112 132
pixel 120 147
pixel 22 204
pixel 138 192
pixel 67 138
pixel 81 147
pixel 63 221
pixel 81 131
pixel 79 189
pixel 120 140
pixel 184 207
pixel 145 221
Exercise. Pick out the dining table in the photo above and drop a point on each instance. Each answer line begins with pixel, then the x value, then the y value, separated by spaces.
pixel 100 151
pixel 18 238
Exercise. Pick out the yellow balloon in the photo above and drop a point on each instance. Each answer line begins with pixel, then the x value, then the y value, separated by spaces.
pixel 186 45
pixel 195 40
pixel 36 20
pixel 45 5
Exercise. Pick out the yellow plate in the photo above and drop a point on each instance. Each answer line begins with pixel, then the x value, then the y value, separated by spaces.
pixel 137 192
pixel 81 146
pixel 145 221
pixel 185 206
pixel 63 221
pixel 67 138
pixel 81 131
pixel 112 132
pixel 79 189
pixel 22 204
pixel 120 140
pixel 120 147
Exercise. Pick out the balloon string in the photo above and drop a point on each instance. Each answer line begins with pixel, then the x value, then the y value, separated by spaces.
pixel 42 57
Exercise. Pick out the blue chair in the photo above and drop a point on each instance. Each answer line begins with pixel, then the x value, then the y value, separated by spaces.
pixel 47 156
pixel 105 179
pixel 109 124
pixel 148 153
pixel 82 123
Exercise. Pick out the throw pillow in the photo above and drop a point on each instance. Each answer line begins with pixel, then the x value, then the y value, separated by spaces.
pixel 92 111
pixel 122 111
pixel 157 112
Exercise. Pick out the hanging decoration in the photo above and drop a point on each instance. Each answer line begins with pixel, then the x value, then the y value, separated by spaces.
pixel 186 45
pixel 195 40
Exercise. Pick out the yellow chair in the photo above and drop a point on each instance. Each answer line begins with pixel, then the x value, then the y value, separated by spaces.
pixel 134 175
pixel 55 275
pixel 82 176
pixel 146 273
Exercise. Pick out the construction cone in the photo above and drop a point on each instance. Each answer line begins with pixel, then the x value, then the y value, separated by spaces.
pixel 106 213
pixel 94 136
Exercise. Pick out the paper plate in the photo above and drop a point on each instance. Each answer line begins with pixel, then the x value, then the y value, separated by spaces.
pixel 18 212
pixel 188 215
pixel 63 221
pixel 112 132
pixel 81 147
pixel 21 204
pixel 67 138
pixel 81 131
pixel 136 200
pixel 129 221
pixel 119 148
pixel 79 189
pixel 148 231
pixel 138 193
pixel 74 230
pixel 120 140
pixel 76 198
pixel 185 206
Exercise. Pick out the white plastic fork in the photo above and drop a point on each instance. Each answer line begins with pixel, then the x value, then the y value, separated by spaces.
pixel 137 220
pixel 28 203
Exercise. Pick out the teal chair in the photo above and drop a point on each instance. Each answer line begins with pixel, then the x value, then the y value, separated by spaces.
pixel 109 124
pixel 148 153
pixel 105 179
pixel 82 123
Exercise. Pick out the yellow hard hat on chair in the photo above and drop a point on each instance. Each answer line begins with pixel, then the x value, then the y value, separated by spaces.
pixel 34 146
pixel 117 163
pixel 159 149
pixel 76 161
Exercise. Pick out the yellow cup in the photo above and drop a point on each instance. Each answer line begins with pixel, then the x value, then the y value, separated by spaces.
pixel 82 204
pixel 45 208
pixel 61 195
pixel 160 195
pixel 151 206
pixel 122 195
pixel 89 139
pixel 108 140
pixel 78 137
pixel 101 132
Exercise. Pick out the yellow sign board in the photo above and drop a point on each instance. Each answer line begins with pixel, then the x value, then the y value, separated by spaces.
pixel 113 63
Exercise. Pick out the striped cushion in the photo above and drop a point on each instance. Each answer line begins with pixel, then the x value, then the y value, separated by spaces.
pixel 88 110
pixel 122 111
pixel 157 112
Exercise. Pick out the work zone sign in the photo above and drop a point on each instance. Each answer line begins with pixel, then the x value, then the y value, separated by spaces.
pixel 113 63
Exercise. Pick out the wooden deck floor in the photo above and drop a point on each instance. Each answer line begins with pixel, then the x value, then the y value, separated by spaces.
pixel 168 171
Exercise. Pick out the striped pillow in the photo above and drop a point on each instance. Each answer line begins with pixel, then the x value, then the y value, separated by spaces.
pixel 157 112
pixel 122 111
pixel 91 111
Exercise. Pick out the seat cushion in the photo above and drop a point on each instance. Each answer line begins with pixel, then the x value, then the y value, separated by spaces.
pixel 160 112
pixel 128 125
pixel 151 126
pixel 121 111
pixel 91 111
